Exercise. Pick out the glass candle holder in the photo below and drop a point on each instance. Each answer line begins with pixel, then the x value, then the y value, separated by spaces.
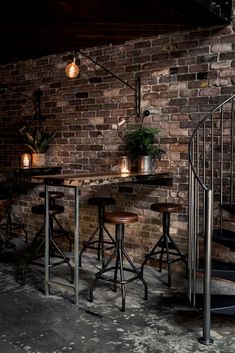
pixel 26 160
pixel 124 165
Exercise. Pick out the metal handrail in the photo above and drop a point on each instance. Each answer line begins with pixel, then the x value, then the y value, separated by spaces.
pixel 194 133
pixel 199 186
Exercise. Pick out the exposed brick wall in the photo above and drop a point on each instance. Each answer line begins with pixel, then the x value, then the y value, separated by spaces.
pixel 184 75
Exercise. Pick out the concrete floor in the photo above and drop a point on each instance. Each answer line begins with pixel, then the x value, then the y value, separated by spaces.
pixel 32 323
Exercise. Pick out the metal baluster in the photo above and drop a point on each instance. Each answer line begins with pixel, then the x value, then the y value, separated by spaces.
pixel 232 153
pixel 205 339
pixel 198 186
pixel 221 165
pixel 47 250
pixel 194 240
pixel 76 246
pixel 204 174
pixel 190 241
pixel 193 228
pixel 212 153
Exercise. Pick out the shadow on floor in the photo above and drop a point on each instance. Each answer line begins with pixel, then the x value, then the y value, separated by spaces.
pixel 33 323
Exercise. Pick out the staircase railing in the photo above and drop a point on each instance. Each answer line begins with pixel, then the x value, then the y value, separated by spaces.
pixel 211 153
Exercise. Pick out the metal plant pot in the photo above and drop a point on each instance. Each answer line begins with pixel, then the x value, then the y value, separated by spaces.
pixel 145 164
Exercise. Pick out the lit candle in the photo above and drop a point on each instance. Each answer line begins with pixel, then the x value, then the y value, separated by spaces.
pixel 124 165
pixel 25 160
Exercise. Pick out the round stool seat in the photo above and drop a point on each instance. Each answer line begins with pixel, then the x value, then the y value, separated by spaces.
pixel 166 207
pixel 53 210
pixel 52 194
pixel 101 201
pixel 5 203
pixel 120 217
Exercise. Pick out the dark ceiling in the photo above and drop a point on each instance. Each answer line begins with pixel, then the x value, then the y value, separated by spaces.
pixel 33 28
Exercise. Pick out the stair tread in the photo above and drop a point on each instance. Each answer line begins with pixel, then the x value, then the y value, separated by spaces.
pixel 220 269
pixel 220 303
pixel 224 237
pixel 219 265
pixel 229 208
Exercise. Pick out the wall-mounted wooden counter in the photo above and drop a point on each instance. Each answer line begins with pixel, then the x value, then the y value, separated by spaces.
pixel 96 179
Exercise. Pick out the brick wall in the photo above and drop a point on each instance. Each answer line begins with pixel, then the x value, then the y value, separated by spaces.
pixel 184 75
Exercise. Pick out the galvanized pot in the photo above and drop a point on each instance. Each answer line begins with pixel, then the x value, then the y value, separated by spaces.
pixel 145 164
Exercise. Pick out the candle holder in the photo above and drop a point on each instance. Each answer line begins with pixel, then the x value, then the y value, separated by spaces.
pixel 26 160
pixel 124 165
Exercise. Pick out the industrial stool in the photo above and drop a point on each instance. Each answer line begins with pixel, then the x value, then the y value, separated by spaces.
pixel 101 202
pixel 60 232
pixel 165 245
pixel 9 222
pixel 53 211
pixel 5 241
pixel 119 254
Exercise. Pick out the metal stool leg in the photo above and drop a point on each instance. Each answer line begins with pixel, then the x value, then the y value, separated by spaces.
pixel 4 240
pixel 167 247
pixel 120 254
pixel 53 245
pixel 99 274
pixel 64 232
pixel 166 228
pixel 100 242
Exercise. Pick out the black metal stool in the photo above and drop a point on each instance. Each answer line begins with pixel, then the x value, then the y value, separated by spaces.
pixel 165 245
pixel 100 243
pixel 9 222
pixel 60 231
pixel 39 241
pixel 5 241
pixel 119 254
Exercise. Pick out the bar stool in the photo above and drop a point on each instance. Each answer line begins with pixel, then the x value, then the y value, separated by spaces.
pixel 5 241
pixel 60 231
pixel 100 243
pixel 9 222
pixel 39 240
pixel 165 245
pixel 119 254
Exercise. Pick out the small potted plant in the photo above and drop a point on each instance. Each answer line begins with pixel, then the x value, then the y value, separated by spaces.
pixel 38 142
pixel 142 144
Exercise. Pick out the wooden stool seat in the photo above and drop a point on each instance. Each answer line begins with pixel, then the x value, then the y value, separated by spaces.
pixel 101 201
pixel 166 207
pixel 100 244
pixel 116 263
pixel 53 210
pixel 120 217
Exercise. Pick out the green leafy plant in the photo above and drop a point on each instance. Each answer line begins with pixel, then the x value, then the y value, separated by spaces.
pixel 143 142
pixel 37 140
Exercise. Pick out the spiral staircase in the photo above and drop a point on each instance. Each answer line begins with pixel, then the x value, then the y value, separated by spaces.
pixel 212 211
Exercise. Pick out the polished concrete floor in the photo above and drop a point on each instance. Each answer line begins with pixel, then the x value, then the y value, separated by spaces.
pixel 33 323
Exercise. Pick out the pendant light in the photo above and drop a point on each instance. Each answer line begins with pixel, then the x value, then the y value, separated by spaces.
pixel 72 69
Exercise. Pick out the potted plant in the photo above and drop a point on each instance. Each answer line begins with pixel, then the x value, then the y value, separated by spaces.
pixel 142 144
pixel 38 142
